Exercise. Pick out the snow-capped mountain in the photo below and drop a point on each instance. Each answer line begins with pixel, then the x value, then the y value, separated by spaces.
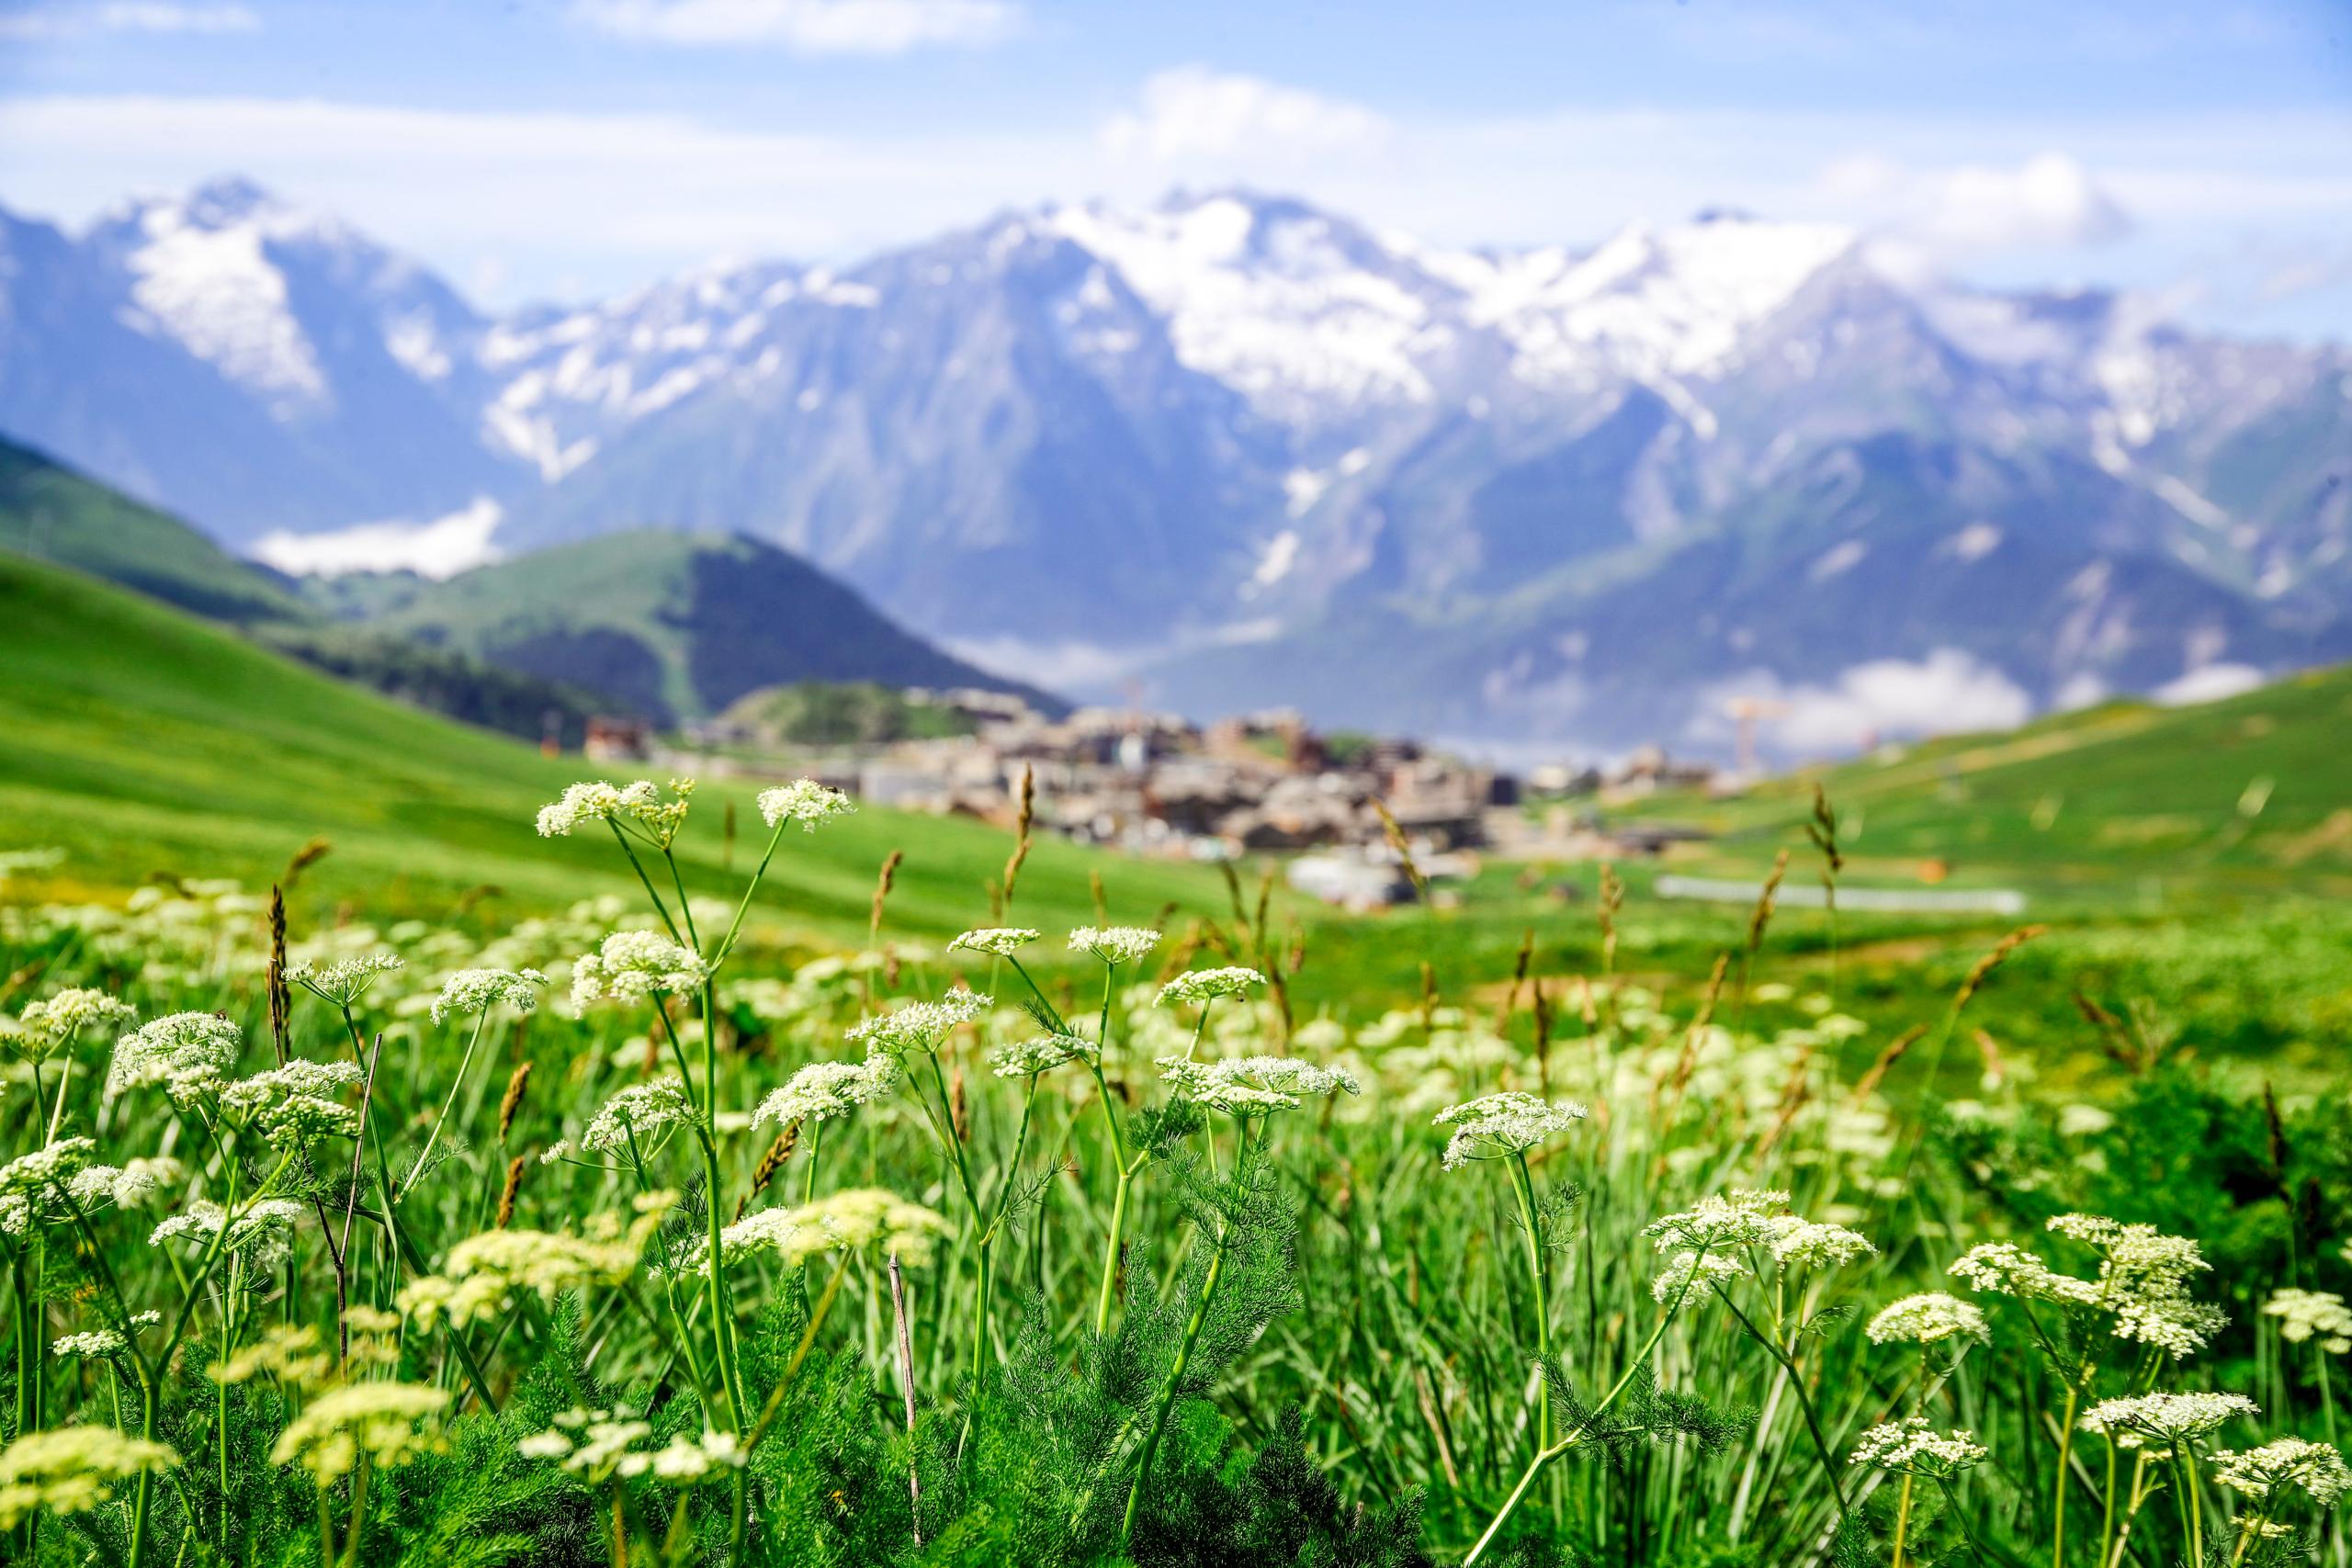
pixel 1240 446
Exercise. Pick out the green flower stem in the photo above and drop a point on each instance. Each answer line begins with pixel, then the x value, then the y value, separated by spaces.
pixel 1796 1386
pixel 1538 1275
pixel 1569 1440
pixel 464 1063
pixel 639 866
pixel 1902 1518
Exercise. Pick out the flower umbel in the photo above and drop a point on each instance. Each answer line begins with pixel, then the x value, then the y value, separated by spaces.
pixel 1497 1126
pixel 470 991
pixel 804 801
pixel 1114 944
pixel 1252 1086
pixel 1001 941
pixel 822 1090
pixel 1911 1447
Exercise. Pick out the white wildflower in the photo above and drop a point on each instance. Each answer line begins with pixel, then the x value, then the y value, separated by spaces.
pixel 2312 1314
pixel 93 1343
pixel 72 1469
pixel 187 1053
pixel 2257 1473
pixel 262 1230
pixel 919 1027
pixel 1254 1086
pixel 854 1220
pixel 1114 944
pixel 1025 1057
pixel 1498 1126
pixel 1717 1222
pixel 45 1026
pixel 634 965
pixel 294 1105
pixel 2165 1419
pixel 1802 1242
pixel 392 1424
pixel 1928 1318
pixel 1002 942
pixel 595 801
pixel 822 1090
pixel 804 801
pixel 470 991
pixel 484 1273
pixel 641 1109
pixel 1912 1447
pixel 1207 985
pixel 343 981
pixel 1692 1271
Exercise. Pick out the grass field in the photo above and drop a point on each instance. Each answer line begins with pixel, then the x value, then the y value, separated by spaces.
pixel 533 1222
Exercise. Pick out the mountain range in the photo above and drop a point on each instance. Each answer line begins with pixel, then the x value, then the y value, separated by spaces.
pixel 1233 451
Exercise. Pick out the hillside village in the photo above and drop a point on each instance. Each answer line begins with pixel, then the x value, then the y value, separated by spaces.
pixel 1157 783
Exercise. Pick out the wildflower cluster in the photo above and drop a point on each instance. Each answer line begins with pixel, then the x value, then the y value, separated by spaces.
pixel 2317 1468
pixel 1026 1058
pixel 2143 1280
pixel 345 980
pixel 634 965
pixel 602 1445
pixel 1498 1126
pixel 637 1112
pixel 919 1028
pixel 1928 1318
pixel 1252 1086
pixel 187 1053
pixel 1207 985
pixel 471 991
pixel 44 1027
pixel 822 1090
pixel 1114 945
pixel 859 1219
pixel 804 801
pixel 294 1105
pixel 484 1273
pixel 1911 1447
pixel 1000 941
pixel 2165 1419
pixel 72 1469
pixel 393 1423
pixel 2312 1314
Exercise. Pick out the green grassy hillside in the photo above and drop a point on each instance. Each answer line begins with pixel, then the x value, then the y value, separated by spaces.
pixel 2247 797
pixel 54 514
pixel 142 740
pixel 673 626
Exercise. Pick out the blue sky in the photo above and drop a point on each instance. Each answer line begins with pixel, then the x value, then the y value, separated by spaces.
pixel 2199 151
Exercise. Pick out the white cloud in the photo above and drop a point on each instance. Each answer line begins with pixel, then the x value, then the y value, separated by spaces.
pixel 2209 683
pixel 597 200
pixel 1946 692
pixel 443 547
pixel 807 27
pixel 1927 217
pixel 1192 111
pixel 52 23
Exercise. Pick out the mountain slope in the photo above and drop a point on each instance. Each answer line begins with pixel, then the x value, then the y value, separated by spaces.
pixel 134 731
pixel 673 626
pixel 54 514
pixel 2248 792
pixel 1183 439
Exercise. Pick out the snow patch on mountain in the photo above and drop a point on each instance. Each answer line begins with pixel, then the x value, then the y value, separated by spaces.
pixel 216 291
pixel 1273 302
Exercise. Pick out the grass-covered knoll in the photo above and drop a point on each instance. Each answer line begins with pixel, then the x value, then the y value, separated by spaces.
pixel 670 625
pixel 142 740
pixel 2128 802
pixel 52 513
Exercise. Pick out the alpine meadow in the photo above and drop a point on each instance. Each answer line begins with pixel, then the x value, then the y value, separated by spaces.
pixel 1030 784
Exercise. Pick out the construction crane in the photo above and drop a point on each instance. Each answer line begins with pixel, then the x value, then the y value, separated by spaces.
pixel 1746 713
